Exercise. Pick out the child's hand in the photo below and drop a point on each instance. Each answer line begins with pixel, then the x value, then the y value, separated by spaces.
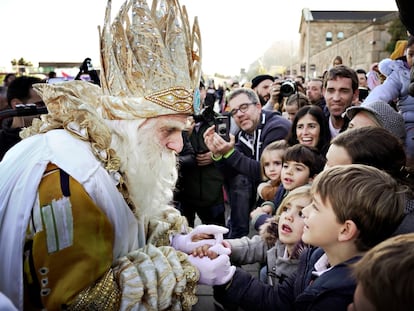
pixel 256 212
pixel 212 252
pixel 203 251
pixel 260 210
pixel 267 209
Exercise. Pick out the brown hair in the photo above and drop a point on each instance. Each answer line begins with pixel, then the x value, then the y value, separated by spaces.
pixel 369 197
pixel 386 274
pixel 376 147
pixel 298 99
pixel 342 71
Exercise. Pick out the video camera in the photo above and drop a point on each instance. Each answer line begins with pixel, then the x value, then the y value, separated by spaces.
pixel 87 68
pixel 207 115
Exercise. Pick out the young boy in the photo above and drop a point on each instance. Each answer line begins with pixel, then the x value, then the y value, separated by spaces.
pixel 300 165
pixel 354 207
pixel 393 287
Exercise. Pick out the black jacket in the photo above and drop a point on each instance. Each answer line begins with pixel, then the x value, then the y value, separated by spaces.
pixel 8 138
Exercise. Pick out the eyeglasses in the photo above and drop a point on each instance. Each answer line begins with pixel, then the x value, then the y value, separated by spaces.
pixel 243 108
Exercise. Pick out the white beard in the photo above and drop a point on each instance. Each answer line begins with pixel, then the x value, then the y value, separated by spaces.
pixel 150 170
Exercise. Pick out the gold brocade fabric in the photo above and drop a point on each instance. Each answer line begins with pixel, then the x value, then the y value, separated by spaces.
pixel 104 295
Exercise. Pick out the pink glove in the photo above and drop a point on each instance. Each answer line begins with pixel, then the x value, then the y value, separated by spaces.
pixel 184 243
pixel 216 271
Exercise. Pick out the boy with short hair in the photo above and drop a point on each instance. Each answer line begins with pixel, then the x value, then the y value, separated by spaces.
pixel 392 288
pixel 353 208
pixel 300 165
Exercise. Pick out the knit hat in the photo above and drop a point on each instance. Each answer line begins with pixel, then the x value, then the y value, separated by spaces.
pixel 386 116
pixel 256 80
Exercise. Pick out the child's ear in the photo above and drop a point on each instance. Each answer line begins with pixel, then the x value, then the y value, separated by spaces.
pixel 310 180
pixel 348 231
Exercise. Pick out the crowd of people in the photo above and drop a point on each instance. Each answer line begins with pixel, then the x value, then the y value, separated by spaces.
pixel 128 193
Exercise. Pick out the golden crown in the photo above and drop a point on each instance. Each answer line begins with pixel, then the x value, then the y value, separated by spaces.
pixel 150 60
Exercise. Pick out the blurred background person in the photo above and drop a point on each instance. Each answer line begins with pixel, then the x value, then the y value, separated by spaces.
pixel 20 94
pixel 362 86
pixel 314 91
pixel 373 76
pixel 261 85
pixel 3 90
pixel 395 89
pixel 293 103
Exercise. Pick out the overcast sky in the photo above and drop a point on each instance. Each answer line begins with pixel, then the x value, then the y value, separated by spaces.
pixel 234 32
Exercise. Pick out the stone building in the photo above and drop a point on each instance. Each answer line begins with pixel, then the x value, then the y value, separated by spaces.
pixel 359 37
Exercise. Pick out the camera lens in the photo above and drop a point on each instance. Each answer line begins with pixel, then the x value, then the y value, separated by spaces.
pixel 287 88
pixel 222 130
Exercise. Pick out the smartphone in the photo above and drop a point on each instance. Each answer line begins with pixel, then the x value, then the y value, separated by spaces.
pixel 222 127
pixel 363 93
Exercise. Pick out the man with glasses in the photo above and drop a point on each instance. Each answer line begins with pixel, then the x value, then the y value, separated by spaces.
pixel 241 161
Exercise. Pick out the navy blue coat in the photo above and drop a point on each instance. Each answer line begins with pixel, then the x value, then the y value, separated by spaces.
pixel 333 290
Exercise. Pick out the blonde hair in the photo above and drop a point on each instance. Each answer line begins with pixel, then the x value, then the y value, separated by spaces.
pixel 274 146
pixel 369 197
pixel 386 274
pixel 299 192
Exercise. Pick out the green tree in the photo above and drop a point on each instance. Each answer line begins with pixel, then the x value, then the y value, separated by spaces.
pixel 398 32
pixel 21 62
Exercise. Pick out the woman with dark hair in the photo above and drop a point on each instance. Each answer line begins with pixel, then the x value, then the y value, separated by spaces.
pixel 310 128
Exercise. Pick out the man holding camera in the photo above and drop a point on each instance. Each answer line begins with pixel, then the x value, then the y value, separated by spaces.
pixel 279 90
pixel 240 161
pixel 199 189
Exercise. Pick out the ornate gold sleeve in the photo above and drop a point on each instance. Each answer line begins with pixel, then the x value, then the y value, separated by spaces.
pixel 157 279
pixel 152 278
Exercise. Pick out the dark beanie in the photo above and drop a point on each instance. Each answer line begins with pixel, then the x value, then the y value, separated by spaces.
pixel 256 80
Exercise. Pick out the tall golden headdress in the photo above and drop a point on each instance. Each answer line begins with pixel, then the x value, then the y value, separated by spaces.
pixel 150 60
pixel 151 66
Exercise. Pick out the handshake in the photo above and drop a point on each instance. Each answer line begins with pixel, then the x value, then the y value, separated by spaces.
pixel 217 271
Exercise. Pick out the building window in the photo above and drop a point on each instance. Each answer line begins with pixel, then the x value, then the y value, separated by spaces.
pixel 328 38
pixel 340 35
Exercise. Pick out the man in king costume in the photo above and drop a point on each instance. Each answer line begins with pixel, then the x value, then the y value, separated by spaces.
pixel 85 214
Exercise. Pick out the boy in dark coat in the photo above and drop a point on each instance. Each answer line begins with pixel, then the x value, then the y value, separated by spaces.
pixel 353 208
